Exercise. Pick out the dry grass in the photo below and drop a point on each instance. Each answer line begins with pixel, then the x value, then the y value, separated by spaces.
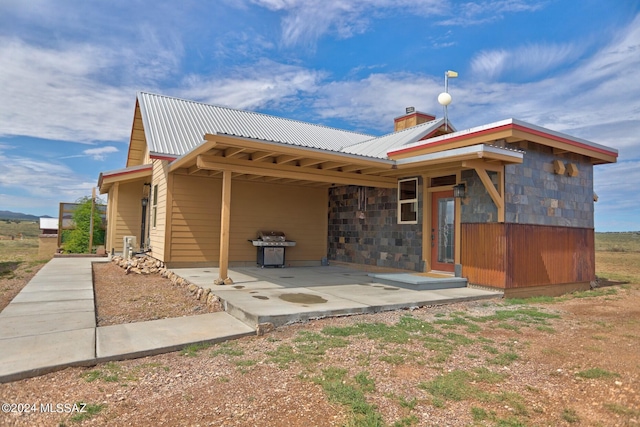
pixel 19 259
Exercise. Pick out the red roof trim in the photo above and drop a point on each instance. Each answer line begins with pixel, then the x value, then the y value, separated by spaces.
pixel 513 126
pixel 158 157
pixel 127 172
pixel 565 140
pixel 448 140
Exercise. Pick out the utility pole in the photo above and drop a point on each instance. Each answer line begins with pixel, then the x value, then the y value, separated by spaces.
pixel 93 204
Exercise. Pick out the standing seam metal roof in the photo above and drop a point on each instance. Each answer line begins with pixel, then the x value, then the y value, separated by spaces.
pixel 175 126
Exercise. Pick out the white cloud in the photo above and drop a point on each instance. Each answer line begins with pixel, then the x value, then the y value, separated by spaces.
pixel 99 153
pixel 306 21
pixel 55 95
pixel 477 13
pixel 617 208
pixel 374 101
pixel 267 84
pixel 25 175
pixel 526 61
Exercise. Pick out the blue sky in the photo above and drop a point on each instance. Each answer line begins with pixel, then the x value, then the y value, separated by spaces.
pixel 70 70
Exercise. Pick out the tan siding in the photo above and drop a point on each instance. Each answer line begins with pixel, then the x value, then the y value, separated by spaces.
pixel 157 233
pixel 138 143
pixel 112 203
pixel 128 214
pixel 301 212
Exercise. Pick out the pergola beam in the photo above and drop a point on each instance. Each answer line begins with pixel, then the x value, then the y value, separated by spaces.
pixel 292 172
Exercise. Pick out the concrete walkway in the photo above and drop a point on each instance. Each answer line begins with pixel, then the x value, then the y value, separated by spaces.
pixel 51 323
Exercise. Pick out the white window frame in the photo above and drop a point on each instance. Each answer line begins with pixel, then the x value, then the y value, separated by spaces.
pixel 402 202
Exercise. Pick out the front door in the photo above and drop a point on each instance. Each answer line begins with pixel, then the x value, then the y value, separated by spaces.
pixel 442 231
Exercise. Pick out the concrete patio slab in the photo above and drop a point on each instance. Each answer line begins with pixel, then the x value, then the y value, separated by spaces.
pixel 33 355
pixel 282 306
pixel 161 336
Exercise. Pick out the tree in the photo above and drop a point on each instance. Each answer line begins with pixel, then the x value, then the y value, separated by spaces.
pixel 76 241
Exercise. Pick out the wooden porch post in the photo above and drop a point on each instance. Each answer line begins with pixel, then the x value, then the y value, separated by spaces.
pixel 225 217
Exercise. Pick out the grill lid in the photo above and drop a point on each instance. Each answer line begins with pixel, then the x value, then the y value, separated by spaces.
pixel 271 236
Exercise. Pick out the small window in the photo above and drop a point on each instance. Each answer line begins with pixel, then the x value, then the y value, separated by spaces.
pixel 154 206
pixel 408 201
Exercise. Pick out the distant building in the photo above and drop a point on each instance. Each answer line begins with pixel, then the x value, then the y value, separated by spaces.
pixel 48 239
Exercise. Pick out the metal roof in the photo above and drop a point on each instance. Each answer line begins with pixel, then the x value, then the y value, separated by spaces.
pixel 379 146
pixel 175 126
pixel 478 149
pixel 506 124
pixel 48 223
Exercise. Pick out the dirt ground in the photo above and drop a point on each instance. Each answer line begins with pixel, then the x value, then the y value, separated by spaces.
pixel 565 361
pixel 126 298
pixel 13 277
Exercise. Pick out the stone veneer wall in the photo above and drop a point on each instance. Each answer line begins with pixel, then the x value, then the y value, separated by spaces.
pixel 534 194
pixel 478 206
pixel 377 239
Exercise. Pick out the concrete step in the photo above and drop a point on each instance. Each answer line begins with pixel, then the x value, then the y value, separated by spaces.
pixel 419 283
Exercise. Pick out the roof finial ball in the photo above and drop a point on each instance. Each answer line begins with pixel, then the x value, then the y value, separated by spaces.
pixel 444 98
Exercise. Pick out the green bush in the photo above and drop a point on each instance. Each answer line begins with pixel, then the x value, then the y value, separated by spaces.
pixel 76 241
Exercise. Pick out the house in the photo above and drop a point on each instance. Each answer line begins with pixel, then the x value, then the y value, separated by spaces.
pixel 48 237
pixel 201 180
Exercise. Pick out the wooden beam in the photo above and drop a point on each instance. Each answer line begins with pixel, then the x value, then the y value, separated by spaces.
pixel 260 155
pixel 271 178
pixel 294 150
pixel 281 160
pixel 293 172
pixel 225 218
pixel 332 165
pixel 351 168
pixel 457 225
pixel 473 164
pixel 305 163
pixel 497 198
pixel 232 151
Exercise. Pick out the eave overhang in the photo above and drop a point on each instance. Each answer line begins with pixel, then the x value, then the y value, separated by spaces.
pixel 473 152
pixel 270 161
pixel 510 130
pixel 107 179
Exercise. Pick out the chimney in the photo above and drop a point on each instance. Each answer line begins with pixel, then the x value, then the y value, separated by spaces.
pixel 411 118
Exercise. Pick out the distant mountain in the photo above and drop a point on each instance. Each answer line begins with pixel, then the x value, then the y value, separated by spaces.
pixel 20 216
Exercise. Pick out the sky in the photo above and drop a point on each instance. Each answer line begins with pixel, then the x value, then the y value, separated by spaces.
pixel 70 71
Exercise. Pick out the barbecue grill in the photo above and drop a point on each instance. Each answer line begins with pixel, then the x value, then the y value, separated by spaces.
pixel 270 247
